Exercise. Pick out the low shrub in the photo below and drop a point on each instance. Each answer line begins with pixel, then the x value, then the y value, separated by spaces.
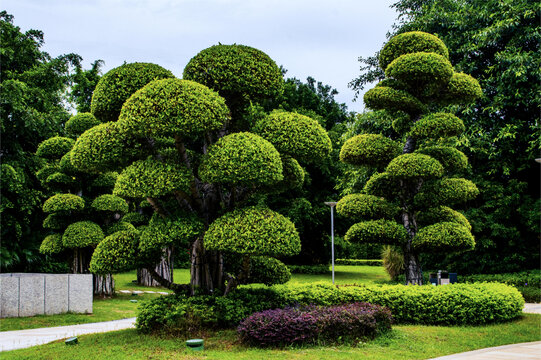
pixel 457 304
pixel 309 269
pixel 364 262
pixel 340 323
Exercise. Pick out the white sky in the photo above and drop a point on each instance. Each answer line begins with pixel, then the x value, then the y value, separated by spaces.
pixel 322 39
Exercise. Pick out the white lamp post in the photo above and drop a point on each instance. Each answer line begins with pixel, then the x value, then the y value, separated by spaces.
pixel 332 204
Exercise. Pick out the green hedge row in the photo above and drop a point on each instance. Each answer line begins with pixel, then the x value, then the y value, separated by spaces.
pixel 365 262
pixel 457 304
pixel 309 269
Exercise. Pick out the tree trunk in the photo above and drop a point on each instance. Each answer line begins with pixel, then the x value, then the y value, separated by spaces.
pixel 164 269
pixel 206 270
pixel 104 285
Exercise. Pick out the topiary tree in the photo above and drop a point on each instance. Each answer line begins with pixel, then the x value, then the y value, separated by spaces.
pixel 191 151
pixel 406 202
pixel 81 213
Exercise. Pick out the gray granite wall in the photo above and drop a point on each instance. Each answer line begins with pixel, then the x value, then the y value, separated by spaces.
pixel 23 294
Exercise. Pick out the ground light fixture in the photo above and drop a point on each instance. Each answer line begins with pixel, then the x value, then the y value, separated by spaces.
pixel 332 204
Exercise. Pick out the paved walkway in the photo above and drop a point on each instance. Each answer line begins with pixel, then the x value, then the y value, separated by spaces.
pixel 11 340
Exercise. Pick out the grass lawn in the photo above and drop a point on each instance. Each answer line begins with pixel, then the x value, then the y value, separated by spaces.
pixel 403 342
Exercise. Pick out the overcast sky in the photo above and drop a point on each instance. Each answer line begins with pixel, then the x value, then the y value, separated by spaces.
pixel 322 39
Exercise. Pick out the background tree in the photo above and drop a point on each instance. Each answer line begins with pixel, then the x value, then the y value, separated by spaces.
pixel 420 175
pixel 202 166
pixel 83 84
pixel 32 88
pixel 497 42
pixel 81 212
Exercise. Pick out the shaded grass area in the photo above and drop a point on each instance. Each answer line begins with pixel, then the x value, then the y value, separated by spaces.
pixel 118 307
pixel 403 342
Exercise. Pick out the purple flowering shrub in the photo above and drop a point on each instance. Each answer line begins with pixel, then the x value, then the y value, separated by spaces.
pixel 315 323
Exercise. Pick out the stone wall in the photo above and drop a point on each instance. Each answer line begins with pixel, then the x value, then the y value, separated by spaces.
pixel 24 294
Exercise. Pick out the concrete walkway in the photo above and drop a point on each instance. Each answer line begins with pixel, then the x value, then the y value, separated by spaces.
pixel 11 340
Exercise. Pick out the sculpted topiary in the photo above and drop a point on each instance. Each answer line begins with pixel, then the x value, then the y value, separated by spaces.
pixel 406 204
pixel 203 168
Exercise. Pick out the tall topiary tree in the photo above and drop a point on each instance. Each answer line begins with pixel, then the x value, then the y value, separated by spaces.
pixel 406 203
pixel 202 166
pixel 81 212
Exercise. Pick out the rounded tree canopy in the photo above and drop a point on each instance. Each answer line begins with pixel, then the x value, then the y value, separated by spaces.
pixel 104 147
pixel 363 206
pixel 178 230
pixel 135 218
pixel 411 42
pixel 236 71
pixel 377 231
pixel 105 180
pixel 442 214
pixel 152 178
pixel 42 174
pixel 66 166
pixel 55 147
pixel 63 202
pixel 296 135
pixel 242 158
pixel 108 202
pixel 386 98
pixel 55 222
pixel 253 230
pixel 462 89
pixel 119 226
pixel 446 191
pixel 437 125
pixel 79 123
pixel 293 175
pixel 452 159
pixel 382 185
pixel 59 180
pixel 369 149
pixel 443 236
pixel 116 253
pixel 52 244
pixel 171 107
pixel 424 73
pixel 407 166
pixel 118 84
pixel 82 234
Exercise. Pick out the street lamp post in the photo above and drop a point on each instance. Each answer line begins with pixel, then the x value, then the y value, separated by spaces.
pixel 332 204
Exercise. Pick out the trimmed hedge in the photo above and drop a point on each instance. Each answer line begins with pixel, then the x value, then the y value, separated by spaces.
pixel 457 304
pixel 328 324
pixel 79 123
pixel 370 150
pixel 363 262
pixel 63 202
pixel 54 147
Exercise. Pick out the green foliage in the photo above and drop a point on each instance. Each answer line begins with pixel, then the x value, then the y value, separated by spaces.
pixel 108 202
pixel 253 230
pixel 447 191
pixel 173 107
pixel 79 123
pixel 242 158
pixel 424 73
pixel 527 282
pixel 104 147
pixel 55 147
pixel 444 236
pixel 359 262
pixel 383 97
pixel 410 166
pixel 377 231
pixel 393 261
pixel 115 253
pixel 268 270
pixel 118 84
pixel 311 269
pixel 451 159
pixel 43 173
pixel 293 175
pixel 177 230
pixel 135 218
pixel 362 206
pixel 462 89
pixel 81 234
pixel 382 185
pixel 63 202
pixel 65 165
pixel 59 180
pixel 239 73
pixel 442 214
pixel 296 135
pixel 105 181
pixel 411 42
pixel 370 150
pixel 152 178
pixel 119 226
pixel 52 244
pixel 437 125
pixel 55 222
